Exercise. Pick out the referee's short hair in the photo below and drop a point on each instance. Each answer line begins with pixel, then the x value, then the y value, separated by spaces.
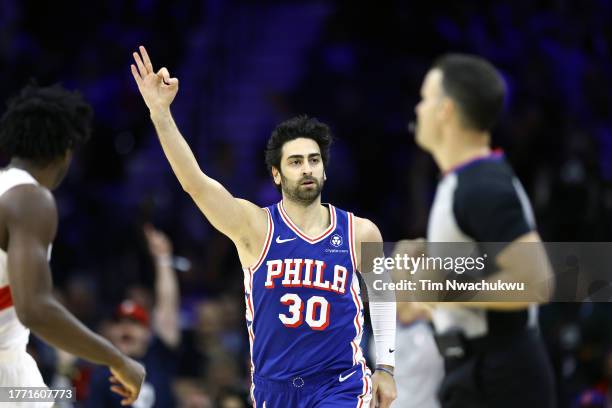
pixel 476 87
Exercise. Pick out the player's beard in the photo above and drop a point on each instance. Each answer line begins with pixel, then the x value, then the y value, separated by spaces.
pixel 300 194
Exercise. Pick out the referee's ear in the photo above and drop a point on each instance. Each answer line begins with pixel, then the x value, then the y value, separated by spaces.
pixel 448 109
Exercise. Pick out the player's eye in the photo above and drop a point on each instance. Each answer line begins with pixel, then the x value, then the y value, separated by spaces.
pixel 314 160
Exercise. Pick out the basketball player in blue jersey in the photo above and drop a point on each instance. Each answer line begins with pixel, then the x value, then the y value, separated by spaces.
pixel 303 307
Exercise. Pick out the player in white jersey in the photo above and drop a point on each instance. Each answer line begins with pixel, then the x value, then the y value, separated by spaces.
pixel 39 131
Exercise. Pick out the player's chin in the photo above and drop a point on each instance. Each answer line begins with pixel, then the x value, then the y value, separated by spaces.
pixel 309 194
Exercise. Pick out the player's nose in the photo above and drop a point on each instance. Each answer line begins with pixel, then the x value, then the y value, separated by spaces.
pixel 306 168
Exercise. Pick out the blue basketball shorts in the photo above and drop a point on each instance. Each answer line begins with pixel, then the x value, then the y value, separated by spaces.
pixel 351 388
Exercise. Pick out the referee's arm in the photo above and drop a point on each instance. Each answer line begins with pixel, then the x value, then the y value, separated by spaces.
pixel 523 260
pixel 493 212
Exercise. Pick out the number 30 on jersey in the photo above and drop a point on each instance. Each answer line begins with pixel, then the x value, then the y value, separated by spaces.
pixel 317 311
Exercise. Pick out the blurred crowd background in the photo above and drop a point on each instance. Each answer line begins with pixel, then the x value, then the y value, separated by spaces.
pixel 245 66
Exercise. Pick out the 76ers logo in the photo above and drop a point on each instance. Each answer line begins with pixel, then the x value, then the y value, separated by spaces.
pixel 336 240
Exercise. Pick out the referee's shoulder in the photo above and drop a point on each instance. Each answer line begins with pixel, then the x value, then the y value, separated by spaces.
pixel 493 175
pixel 481 196
pixel 366 230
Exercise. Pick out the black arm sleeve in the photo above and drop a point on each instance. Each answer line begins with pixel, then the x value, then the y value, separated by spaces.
pixel 490 211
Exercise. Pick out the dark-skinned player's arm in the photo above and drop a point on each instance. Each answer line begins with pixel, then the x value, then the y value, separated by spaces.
pixel 31 218
pixel 240 220
pixel 383 316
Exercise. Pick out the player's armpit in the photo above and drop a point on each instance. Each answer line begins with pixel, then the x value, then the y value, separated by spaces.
pixel 252 236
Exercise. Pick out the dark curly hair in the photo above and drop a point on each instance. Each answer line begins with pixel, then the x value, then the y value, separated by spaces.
pixel 294 128
pixel 42 123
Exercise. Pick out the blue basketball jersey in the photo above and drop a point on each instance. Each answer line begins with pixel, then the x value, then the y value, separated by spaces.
pixel 303 304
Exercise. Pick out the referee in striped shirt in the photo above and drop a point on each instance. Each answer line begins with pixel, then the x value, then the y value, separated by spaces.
pixel 493 353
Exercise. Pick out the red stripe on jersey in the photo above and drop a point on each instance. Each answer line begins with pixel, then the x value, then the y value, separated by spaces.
pixel 6 299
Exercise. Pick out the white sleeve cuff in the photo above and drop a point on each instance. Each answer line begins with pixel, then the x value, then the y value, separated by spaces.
pixel 383 317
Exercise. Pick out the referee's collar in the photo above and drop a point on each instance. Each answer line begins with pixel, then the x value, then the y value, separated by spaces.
pixel 495 154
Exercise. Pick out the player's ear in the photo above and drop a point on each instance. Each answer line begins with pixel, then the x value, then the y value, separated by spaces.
pixel 276 176
pixel 66 158
pixel 324 176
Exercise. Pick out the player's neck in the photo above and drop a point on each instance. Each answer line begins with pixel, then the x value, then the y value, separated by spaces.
pixel 45 176
pixel 461 147
pixel 311 219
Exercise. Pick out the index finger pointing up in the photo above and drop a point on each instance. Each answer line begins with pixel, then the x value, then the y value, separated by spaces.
pixel 146 59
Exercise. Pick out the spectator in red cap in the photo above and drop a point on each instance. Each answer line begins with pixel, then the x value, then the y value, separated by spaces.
pixel 150 338
pixel 132 331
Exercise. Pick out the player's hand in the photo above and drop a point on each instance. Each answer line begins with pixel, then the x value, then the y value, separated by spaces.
pixel 127 378
pixel 411 247
pixel 409 312
pixel 157 89
pixel 383 389
pixel 159 244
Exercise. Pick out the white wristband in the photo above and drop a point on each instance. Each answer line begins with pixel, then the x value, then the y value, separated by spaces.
pixel 164 261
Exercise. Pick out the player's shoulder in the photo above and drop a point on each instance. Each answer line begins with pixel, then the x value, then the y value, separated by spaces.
pixel 250 206
pixel 253 211
pixel 25 201
pixel 366 230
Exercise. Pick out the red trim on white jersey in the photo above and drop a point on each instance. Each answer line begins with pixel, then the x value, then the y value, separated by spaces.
pixel 6 299
pixel 299 233
pixel 266 247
